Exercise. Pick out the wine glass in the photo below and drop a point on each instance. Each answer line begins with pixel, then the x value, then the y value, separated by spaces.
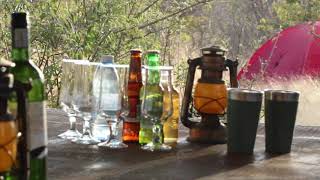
pixel 116 116
pixel 123 80
pixel 82 99
pixel 65 98
pixel 152 110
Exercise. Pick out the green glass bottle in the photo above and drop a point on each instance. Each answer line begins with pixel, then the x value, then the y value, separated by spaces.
pixel 24 71
pixel 153 93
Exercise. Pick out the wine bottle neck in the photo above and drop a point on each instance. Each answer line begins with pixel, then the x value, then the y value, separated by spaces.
pixel 20 45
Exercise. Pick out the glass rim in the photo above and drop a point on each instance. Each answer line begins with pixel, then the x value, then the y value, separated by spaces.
pixel 115 65
pixel 82 62
pixel 281 95
pixel 75 60
pixel 242 94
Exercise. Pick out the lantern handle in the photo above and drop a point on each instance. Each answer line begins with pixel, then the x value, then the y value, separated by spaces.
pixel 232 66
pixel 184 114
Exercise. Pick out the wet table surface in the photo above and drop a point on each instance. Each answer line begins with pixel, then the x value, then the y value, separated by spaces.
pixel 187 161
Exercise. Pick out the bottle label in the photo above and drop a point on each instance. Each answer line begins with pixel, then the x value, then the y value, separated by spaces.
pixel 37 125
pixel 20 38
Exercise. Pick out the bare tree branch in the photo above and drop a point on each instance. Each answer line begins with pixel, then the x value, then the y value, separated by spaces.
pixel 146 8
pixel 142 26
pixel 173 14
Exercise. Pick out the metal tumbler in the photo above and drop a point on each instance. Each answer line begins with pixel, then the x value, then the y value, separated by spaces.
pixel 243 114
pixel 280 116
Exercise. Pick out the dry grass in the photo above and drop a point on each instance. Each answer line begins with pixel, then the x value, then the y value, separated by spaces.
pixel 309 101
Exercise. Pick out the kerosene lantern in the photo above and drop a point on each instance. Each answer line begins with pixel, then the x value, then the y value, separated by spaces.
pixel 209 96
pixel 10 132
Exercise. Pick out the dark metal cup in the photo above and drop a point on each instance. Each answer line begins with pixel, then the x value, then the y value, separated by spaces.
pixel 280 116
pixel 243 113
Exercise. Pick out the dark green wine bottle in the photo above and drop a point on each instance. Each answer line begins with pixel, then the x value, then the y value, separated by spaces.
pixel 24 71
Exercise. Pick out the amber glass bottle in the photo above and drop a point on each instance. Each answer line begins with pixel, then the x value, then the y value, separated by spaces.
pixel 131 125
pixel 170 126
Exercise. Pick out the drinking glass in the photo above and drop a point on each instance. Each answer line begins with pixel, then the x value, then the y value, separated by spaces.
pixel 152 110
pixel 67 85
pixel 115 119
pixel 82 99
pixel 123 80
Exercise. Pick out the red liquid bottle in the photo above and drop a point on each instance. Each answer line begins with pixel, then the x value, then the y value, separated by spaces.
pixel 131 124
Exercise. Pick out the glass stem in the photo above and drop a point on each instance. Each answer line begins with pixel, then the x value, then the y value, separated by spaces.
pixel 115 135
pixel 157 133
pixel 86 126
pixel 72 120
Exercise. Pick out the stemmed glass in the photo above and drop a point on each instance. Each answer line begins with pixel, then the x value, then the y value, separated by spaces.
pixel 123 80
pixel 115 119
pixel 67 85
pixel 152 109
pixel 82 99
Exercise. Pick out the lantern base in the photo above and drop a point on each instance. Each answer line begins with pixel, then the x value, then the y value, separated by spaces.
pixel 216 135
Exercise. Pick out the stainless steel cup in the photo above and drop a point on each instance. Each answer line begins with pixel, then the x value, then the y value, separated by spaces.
pixel 243 113
pixel 280 116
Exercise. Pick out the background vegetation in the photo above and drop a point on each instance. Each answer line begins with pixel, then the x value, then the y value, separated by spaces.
pixel 86 29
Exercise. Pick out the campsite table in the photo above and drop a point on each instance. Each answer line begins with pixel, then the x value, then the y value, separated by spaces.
pixel 187 161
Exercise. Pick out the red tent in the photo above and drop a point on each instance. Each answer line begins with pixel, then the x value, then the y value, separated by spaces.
pixel 294 51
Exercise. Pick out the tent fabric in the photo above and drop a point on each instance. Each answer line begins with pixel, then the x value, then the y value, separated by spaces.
pixel 293 52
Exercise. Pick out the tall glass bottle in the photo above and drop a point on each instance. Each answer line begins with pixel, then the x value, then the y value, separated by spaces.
pixel 24 71
pixel 152 91
pixel 131 125
pixel 170 126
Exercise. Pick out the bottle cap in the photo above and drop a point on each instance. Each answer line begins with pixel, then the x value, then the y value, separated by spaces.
pixel 19 20
pixel 153 52
pixel 107 59
pixel 135 51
